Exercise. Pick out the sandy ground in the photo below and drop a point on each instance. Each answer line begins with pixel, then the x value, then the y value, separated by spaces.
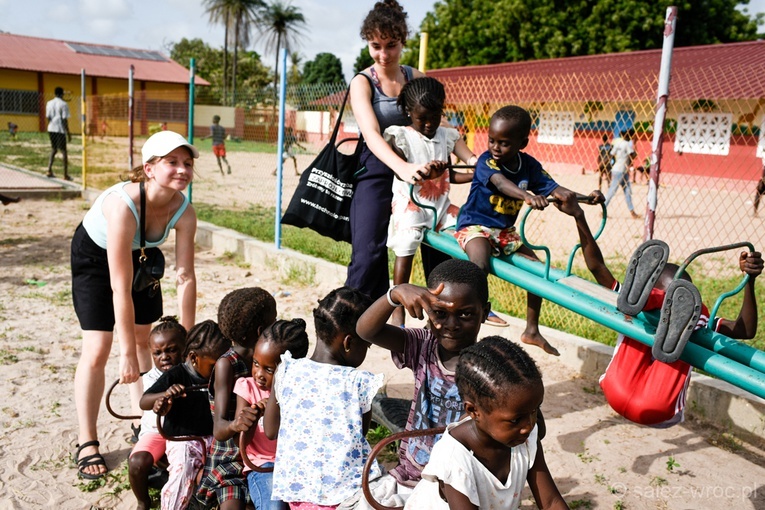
pixel 598 459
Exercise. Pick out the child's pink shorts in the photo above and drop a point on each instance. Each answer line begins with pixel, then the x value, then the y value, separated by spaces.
pixel 153 443
pixel 310 506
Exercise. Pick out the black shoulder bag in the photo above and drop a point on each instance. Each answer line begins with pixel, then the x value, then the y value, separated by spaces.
pixel 322 199
pixel 151 261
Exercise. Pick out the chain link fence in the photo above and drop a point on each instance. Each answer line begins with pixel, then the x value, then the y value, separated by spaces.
pixel 710 165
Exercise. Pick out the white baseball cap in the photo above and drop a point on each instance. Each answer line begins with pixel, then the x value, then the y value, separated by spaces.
pixel 163 143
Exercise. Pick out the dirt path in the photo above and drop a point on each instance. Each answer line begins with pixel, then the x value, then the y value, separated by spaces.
pixel 598 459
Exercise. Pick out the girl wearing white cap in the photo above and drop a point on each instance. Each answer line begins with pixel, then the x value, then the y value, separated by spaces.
pixel 105 256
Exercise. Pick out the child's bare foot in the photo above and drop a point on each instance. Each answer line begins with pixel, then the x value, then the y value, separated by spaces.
pixel 536 338
pixel 495 320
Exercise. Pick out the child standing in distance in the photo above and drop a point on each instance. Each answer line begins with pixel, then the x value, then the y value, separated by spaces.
pixel 456 303
pixel 423 141
pixel 253 392
pixel 604 162
pixel 506 178
pixel 320 409
pixel 484 460
pixel 186 413
pixel 218 135
pixel 289 140
pixel 243 315
pixel 12 128
pixel 166 343
pixel 635 384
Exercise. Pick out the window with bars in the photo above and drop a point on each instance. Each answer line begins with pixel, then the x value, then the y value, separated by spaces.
pixel 19 101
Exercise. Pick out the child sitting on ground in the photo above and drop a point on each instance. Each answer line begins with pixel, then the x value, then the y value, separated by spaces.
pixel 321 408
pixel 253 392
pixel 166 343
pixel 243 315
pixel 186 412
pixel 456 303
pixel 218 135
pixel 424 141
pixel 484 460
pixel 506 178
pixel 635 384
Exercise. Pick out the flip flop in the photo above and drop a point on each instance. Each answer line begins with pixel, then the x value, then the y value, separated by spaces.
pixel 89 460
pixel 643 270
pixel 495 320
pixel 679 315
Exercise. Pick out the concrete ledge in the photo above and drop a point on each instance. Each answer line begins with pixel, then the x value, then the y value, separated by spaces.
pixel 710 400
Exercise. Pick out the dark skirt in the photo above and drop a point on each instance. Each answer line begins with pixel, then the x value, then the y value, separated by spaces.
pixel 92 290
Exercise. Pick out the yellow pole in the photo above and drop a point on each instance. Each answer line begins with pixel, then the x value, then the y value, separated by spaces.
pixel 83 120
pixel 423 51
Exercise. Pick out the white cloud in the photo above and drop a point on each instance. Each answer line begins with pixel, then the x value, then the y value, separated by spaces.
pixel 105 9
pixel 102 27
pixel 61 13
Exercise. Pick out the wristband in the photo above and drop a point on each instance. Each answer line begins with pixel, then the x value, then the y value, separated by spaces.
pixel 390 299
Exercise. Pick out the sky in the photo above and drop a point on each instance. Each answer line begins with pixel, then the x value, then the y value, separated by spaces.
pixel 332 25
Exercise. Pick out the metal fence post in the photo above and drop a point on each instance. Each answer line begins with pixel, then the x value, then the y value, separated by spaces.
pixel 190 129
pixel 83 120
pixel 280 152
pixel 131 115
pixel 658 124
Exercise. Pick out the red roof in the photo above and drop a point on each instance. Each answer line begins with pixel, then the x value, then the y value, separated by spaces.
pixel 54 56
pixel 736 68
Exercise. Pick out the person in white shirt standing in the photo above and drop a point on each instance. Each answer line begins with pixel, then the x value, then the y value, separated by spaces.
pixel 57 112
pixel 623 151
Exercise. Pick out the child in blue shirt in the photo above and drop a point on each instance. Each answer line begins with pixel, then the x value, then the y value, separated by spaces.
pixel 506 178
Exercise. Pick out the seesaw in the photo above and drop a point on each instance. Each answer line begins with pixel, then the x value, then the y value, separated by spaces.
pixel 718 355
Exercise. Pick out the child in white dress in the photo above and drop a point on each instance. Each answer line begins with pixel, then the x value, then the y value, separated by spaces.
pixel 424 141
pixel 483 460
pixel 320 408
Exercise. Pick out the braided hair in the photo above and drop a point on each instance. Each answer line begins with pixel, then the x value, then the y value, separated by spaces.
pixel 338 313
pixel 169 324
pixel 427 92
pixel 244 313
pixel 489 369
pixel 206 339
pixel 461 272
pixel 519 119
pixel 388 19
pixel 288 336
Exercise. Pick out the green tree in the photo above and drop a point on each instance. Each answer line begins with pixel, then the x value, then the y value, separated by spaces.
pixel 473 32
pixel 294 77
pixel 324 68
pixel 281 24
pixel 252 78
pixel 363 61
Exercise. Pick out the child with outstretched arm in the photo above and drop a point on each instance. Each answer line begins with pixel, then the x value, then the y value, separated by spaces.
pixel 506 178
pixel 635 384
pixel 455 303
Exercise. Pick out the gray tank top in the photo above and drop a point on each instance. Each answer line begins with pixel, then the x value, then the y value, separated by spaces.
pixel 385 108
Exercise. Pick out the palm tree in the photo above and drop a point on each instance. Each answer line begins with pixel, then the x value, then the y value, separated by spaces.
pixel 220 13
pixel 245 14
pixel 281 24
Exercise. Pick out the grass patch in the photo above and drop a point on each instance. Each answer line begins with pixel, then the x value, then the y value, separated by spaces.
pixel 301 274
pixel 8 357
pixel 377 434
pixel 16 241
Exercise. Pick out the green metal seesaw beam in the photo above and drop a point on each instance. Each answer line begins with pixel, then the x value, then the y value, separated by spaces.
pixel 731 362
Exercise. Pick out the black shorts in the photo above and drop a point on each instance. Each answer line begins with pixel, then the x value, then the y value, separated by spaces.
pixel 92 290
pixel 57 141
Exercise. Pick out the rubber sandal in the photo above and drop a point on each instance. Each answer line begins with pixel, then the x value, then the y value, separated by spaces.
pixel 643 270
pixel 679 315
pixel 136 432
pixel 90 460
pixel 495 320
